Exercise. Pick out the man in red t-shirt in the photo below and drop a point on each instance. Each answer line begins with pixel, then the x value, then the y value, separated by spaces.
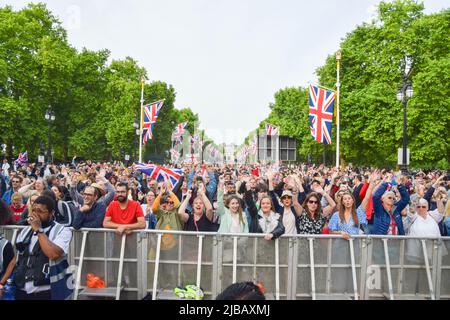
pixel 124 215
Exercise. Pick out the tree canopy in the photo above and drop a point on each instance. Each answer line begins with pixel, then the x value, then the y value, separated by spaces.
pixel 95 102
pixel 371 118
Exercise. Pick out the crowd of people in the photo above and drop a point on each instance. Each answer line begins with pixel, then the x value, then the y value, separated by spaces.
pixel 225 198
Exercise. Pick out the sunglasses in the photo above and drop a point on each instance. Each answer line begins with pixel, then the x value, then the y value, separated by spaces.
pixel 313 202
pixel 390 198
pixel 423 207
pixel 169 202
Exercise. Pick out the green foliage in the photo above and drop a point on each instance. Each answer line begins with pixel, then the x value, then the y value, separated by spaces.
pixel 371 118
pixel 95 103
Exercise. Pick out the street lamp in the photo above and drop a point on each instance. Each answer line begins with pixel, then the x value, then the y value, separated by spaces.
pixel 136 127
pixel 406 91
pixel 50 117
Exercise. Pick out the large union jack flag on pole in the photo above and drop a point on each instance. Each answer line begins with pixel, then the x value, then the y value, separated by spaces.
pixel 321 105
pixel 151 112
pixel 160 173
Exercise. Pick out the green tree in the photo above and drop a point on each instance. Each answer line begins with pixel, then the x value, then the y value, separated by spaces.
pixel 371 117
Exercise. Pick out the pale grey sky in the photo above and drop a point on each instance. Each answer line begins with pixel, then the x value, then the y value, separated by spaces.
pixel 225 58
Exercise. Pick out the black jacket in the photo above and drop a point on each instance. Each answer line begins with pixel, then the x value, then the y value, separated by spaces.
pixel 254 226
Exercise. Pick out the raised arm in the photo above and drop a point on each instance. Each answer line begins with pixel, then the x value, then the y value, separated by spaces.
pixel 110 191
pixel 403 193
pixel 182 209
pixel 331 204
pixel 248 199
pixel 369 190
pixel 208 206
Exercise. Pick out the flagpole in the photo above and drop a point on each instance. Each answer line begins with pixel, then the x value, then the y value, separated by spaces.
pixel 257 145
pixel 142 116
pixel 338 85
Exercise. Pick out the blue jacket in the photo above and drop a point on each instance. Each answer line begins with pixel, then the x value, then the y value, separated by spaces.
pixel 211 187
pixel 90 219
pixel 7 196
pixel 382 219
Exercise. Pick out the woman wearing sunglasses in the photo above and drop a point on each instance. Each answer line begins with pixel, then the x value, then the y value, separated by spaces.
pixel 312 218
pixel 165 208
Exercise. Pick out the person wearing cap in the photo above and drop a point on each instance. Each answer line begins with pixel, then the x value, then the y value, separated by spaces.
pixel 387 213
pixel 289 209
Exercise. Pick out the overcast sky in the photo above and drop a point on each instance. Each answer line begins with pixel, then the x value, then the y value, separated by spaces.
pixel 225 58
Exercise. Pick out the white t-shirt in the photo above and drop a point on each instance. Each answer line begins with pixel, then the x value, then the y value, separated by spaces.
pixel 424 227
pixel 62 240
pixel 235 224
pixel 5 168
pixel 289 222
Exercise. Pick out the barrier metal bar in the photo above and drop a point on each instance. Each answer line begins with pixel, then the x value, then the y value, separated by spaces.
pixel 80 265
pixel 402 264
pixel 427 266
pixel 255 252
pixel 234 258
pixel 292 269
pixel 388 269
pixel 105 256
pixel 363 272
pixel 119 276
pixel 277 270
pixel 328 284
pixel 311 259
pixel 180 247
pixel 155 276
pixel 253 235
pixel 199 263
pixel 141 263
pixel 437 267
pixel 352 259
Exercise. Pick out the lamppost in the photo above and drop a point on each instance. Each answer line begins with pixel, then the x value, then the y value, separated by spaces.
pixel 136 128
pixel 50 117
pixel 406 91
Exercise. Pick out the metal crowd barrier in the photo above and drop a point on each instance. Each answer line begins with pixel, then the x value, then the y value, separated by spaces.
pixel 291 267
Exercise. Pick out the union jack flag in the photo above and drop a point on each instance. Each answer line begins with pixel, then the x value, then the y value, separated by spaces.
pixel 151 112
pixel 321 105
pixel 179 131
pixel 254 146
pixel 22 158
pixel 160 173
pixel 271 130
pixel 175 154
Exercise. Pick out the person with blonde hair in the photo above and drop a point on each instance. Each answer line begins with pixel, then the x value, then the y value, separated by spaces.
pixel 17 206
pixel 232 219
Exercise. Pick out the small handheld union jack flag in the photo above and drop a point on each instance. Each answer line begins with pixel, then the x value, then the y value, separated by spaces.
pixel 151 112
pixel 321 105
pixel 160 173
pixel 271 130
pixel 22 158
